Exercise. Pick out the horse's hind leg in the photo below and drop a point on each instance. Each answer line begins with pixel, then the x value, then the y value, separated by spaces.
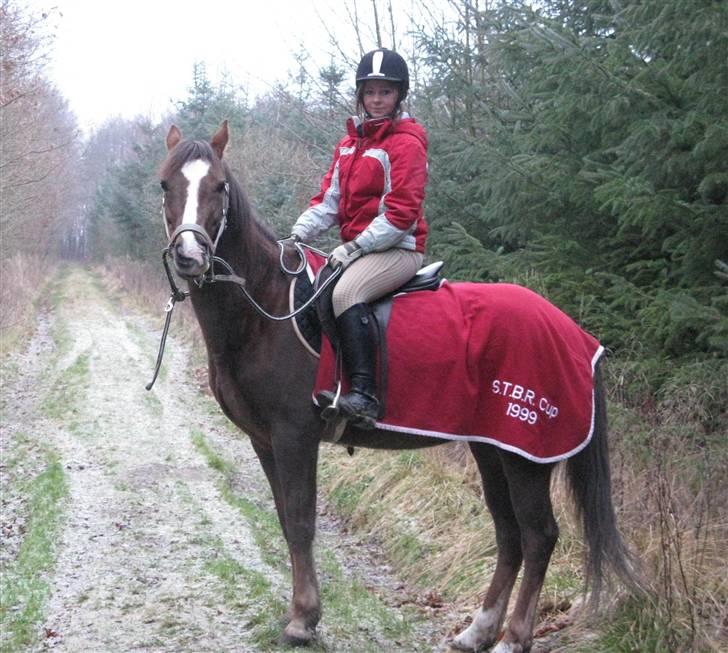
pixel 488 620
pixel 529 485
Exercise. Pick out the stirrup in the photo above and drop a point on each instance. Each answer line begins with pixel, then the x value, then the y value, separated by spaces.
pixel 363 422
pixel 328 401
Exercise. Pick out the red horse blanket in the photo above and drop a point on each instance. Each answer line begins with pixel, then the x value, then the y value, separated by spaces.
pixel 493 363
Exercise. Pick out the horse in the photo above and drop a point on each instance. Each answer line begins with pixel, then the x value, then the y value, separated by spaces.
pixel 262 378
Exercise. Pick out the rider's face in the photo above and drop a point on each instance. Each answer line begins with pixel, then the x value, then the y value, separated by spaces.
pixel 380 97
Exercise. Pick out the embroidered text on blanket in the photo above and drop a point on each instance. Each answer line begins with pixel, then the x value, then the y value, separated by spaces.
pixel 523 395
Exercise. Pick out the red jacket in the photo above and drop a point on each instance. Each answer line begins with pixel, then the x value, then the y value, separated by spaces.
pixel 375 187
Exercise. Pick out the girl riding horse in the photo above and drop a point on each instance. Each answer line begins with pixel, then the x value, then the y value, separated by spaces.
pixel 374 191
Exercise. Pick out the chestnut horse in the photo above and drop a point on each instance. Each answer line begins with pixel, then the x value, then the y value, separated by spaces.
pixel 262 377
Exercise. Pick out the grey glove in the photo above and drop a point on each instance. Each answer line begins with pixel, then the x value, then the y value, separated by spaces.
pixel 344 255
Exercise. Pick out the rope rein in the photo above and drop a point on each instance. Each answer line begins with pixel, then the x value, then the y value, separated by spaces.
pixel 233 278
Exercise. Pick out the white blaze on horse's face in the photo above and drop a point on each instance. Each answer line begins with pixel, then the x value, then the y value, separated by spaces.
pixel 194 172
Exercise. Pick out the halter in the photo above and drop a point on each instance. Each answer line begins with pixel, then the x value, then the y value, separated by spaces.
pixel 177 294
pixel 210 277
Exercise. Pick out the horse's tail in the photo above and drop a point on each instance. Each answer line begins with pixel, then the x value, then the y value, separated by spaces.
pixel 589 480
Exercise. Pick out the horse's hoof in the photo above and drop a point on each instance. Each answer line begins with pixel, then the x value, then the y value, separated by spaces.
pixel 458 645
pixel 455 645
pixel 466 641
pixel 296 634
pixel 509 647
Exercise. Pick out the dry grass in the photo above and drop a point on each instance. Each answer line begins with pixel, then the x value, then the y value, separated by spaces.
pixel 145 286
pixel 430 522
pixel 23 282
pixel 669 492
pixel 671 487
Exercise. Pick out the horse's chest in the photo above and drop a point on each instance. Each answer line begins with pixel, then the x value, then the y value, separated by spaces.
pixel 232 395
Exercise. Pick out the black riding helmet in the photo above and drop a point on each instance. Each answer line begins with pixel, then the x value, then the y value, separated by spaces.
pixel 384 64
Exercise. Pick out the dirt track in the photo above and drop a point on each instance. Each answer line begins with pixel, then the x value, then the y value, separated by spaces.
pixel 166 543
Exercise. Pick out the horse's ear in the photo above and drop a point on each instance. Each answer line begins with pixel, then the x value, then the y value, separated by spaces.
pixel 220 139
pixel 174 136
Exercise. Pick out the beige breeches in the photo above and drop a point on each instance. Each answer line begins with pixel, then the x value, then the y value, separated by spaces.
pixel 374 275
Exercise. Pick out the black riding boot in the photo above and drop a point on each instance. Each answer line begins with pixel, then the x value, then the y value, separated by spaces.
pixel 360 405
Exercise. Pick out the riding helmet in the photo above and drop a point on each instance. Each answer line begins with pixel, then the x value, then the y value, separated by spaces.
pixel 384 64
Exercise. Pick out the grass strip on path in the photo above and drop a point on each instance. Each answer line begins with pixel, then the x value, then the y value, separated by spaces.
pixel 23 586
pixel 347 601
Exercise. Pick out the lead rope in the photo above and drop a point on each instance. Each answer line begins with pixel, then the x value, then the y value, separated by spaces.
pixel 176 296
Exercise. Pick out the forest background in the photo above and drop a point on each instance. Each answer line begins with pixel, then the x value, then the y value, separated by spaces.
pixel 578 148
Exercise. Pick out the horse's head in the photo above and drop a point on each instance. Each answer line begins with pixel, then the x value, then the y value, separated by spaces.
pixel 196 198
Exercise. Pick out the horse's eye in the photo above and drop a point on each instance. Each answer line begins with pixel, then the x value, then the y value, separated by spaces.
pixel 221 187
pixel 164 185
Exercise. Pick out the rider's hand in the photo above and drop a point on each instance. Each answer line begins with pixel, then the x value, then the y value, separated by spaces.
pixel 344 255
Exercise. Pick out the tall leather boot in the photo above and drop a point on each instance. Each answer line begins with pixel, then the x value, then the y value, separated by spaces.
pixel 360 405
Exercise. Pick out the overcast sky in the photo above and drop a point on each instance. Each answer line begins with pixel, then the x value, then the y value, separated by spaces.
pixel 131 57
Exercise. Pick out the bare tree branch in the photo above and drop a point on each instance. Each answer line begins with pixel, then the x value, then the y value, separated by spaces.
pixel 376 23
pixel 355 23
pixel 391 25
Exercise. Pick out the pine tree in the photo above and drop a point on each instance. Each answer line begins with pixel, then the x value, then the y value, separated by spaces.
pixel 207 105
pixel 584 140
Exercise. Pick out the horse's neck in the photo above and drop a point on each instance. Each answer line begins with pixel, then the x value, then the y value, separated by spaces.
pixel 225 315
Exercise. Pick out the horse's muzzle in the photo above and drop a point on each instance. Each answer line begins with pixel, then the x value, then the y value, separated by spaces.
pixel 191 250
pixel 190 262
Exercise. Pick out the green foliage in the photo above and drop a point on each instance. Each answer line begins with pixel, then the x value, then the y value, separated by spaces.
pixel 125 216
pixel 207 105
pixel 586 141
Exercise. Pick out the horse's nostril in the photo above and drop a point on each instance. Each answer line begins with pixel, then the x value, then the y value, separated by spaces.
pixel 184 258
pixel 180 255
pixel 190 261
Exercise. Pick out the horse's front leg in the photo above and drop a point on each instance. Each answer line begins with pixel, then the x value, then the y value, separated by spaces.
pixel 267 462
pixel 294 461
